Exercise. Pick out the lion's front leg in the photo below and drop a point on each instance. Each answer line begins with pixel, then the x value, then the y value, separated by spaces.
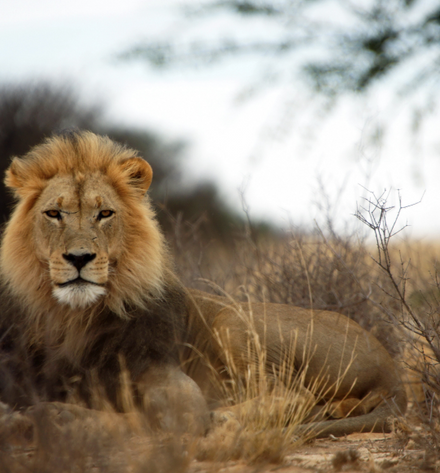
pixel 172 401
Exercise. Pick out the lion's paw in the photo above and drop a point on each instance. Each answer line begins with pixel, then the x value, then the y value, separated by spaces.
pixel 224 419
pixel 58 413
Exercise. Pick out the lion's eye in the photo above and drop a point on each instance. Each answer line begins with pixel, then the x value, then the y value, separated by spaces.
pixel 53 214
pixel 105 214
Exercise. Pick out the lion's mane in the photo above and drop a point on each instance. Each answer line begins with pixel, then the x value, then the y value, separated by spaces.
pixel 81 154
pixel 142 313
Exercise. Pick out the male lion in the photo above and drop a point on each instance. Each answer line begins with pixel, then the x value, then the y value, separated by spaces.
pixel 91 294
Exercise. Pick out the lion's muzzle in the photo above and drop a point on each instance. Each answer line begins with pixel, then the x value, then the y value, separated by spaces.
pixel 79 278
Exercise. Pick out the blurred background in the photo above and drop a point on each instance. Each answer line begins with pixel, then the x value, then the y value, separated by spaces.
pixel 270 125
pixel 280 112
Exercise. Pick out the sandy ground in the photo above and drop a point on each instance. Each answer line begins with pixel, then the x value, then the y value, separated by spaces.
pixel 74 451
pixel 357 452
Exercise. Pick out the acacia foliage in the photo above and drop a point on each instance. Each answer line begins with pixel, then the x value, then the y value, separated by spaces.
pixel 337 46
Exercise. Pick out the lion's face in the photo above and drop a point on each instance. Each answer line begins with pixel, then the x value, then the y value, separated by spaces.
pixel 79 230
pixel 83 230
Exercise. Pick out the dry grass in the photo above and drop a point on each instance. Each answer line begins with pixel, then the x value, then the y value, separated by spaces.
pixel 309 270
pixel 412 272
pixel 265 407
pixel 322 271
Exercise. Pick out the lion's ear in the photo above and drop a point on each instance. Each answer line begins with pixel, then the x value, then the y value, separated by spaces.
pixel 139 173
pixel 14 178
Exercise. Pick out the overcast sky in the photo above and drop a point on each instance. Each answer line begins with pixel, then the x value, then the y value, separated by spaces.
pixel 274 147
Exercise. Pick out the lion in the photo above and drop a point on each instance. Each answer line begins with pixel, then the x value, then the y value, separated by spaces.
pixel 91 293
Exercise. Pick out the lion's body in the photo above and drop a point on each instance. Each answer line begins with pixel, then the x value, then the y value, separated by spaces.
pixel 91 288
pixel 342 364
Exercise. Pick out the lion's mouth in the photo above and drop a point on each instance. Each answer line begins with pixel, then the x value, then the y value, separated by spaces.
pixel 78 282
pixel 79 292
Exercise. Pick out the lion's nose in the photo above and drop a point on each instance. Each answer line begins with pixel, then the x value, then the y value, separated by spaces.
pixel 79 261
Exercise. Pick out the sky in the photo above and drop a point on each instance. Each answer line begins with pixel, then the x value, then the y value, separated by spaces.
pixel 274 148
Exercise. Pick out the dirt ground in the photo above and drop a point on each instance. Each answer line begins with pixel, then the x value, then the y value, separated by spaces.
pixel 400 452
pixel 357 452
pixel 403 451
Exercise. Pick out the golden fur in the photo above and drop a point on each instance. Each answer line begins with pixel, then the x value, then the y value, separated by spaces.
pixel 32 265
pixel 87 270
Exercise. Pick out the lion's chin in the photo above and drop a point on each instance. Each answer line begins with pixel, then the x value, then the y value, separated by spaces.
pixel 79 296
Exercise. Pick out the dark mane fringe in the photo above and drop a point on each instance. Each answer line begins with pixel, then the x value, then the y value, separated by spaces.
pixel 29 373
